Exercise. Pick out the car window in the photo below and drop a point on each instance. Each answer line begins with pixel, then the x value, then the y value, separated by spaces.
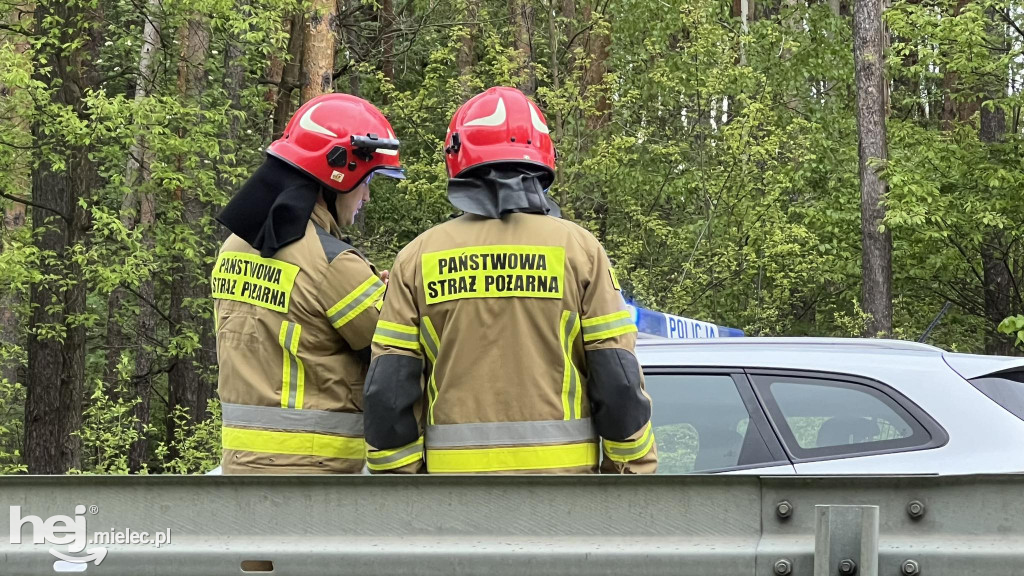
pixel 819 417
pixel 1005 389
pixel 701 424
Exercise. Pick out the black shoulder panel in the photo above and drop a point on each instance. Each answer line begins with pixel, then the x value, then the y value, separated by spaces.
pixel 618 406
pixel 389 398
pixel 331 245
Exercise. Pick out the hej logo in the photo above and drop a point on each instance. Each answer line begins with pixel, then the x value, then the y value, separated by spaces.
pixel 58 531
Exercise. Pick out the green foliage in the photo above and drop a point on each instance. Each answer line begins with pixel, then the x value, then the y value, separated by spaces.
pixel 715 159
pixel 109 429
pixel 12 430
pixel 1014 326
pixel 196 448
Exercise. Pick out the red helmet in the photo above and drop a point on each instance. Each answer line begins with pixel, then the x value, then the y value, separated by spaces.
pixel 499 125
pixel 339 139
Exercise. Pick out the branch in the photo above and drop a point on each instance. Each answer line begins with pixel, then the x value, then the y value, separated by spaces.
pixel 150 304
pixel 1012 23
pixel 28 202
pixel 17 30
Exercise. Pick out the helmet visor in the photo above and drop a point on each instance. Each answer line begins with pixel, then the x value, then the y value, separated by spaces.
pixel 390 172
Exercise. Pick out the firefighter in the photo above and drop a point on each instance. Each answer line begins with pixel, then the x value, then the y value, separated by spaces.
pixel 504 345
pixel 295 304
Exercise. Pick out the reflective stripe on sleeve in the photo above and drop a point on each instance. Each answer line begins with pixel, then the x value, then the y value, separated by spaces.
pixel 432 347
pixel 630 450
pixel 358 300
pixel 395 458
pixel 572 396
pixel 400 335
pixel 301 443
pixel 293 373
pixel 342 423
pixel 608 326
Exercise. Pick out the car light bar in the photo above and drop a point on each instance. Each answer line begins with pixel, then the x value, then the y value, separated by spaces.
pixel 652 324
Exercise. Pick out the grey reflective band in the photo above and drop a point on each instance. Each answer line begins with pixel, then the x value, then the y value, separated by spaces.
pixel 293 373
pixel 267 417
pixel 414 448
pixel 366 293
pixel 567 347
pixel 510 433
pixel 396 334
pixel 428 340
pixel 609 325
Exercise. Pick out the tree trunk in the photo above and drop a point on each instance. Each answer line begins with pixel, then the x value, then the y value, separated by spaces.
pixel 137 177
pixel 318 51
pixel 952 111
pixel 351 40
pixel 56 368
pixel 556 81
pixel 11 332
pixel 995 253
pixel 598 43
pixel 466 57
pixel 387 25
pixel 876 259
pixel 291 75
pixel 10 324
pixel 186 386
pixel 521 18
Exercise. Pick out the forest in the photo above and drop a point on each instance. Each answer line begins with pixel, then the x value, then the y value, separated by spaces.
pixel 848 168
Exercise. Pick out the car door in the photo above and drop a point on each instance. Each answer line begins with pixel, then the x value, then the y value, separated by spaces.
pixel 839 424
pixel 709 421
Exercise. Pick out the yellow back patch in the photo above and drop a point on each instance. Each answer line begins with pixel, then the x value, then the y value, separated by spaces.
pixel 248 278
pixel 494 272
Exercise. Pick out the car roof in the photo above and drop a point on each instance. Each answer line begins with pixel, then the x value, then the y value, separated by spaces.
pixel 831 354
pixel 810 353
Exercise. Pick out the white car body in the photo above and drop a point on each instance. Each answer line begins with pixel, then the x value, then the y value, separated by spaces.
pixel 981 435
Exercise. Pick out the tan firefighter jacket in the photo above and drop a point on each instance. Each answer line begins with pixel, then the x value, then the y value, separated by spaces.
pixel 292 338
pixel 505 346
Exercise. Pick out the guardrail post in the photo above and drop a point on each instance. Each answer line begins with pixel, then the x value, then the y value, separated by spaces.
pixel 846 541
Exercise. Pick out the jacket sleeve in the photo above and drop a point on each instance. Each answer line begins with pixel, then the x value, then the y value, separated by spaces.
pixel 349 292
pixel 619 405
pixel 393 394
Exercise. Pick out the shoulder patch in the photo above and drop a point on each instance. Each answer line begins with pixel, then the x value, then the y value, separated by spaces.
pixel 331 245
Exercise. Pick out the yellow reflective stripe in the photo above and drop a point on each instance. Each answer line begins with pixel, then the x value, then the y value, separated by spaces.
pixel 293 373
pixel 630 450
pixel 432 347
pixel 263 282
pixel 395 458
pixel 615 281
pixel 572 398
pixel 356 301
pixel 500 271
pixel 379 304
pixel 410 330
pixel 302 443
pixel 611 333
pixel 400 335
pixel 608 326
pixel 588 322
pixel 515 458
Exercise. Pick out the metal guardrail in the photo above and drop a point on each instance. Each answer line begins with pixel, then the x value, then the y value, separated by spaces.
pixel 522 525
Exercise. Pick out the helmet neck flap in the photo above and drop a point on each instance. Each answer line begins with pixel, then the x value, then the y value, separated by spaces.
pixel 493 190
pixel 272 208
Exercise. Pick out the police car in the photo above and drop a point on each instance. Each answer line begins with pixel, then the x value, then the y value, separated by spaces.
pixel 726 404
